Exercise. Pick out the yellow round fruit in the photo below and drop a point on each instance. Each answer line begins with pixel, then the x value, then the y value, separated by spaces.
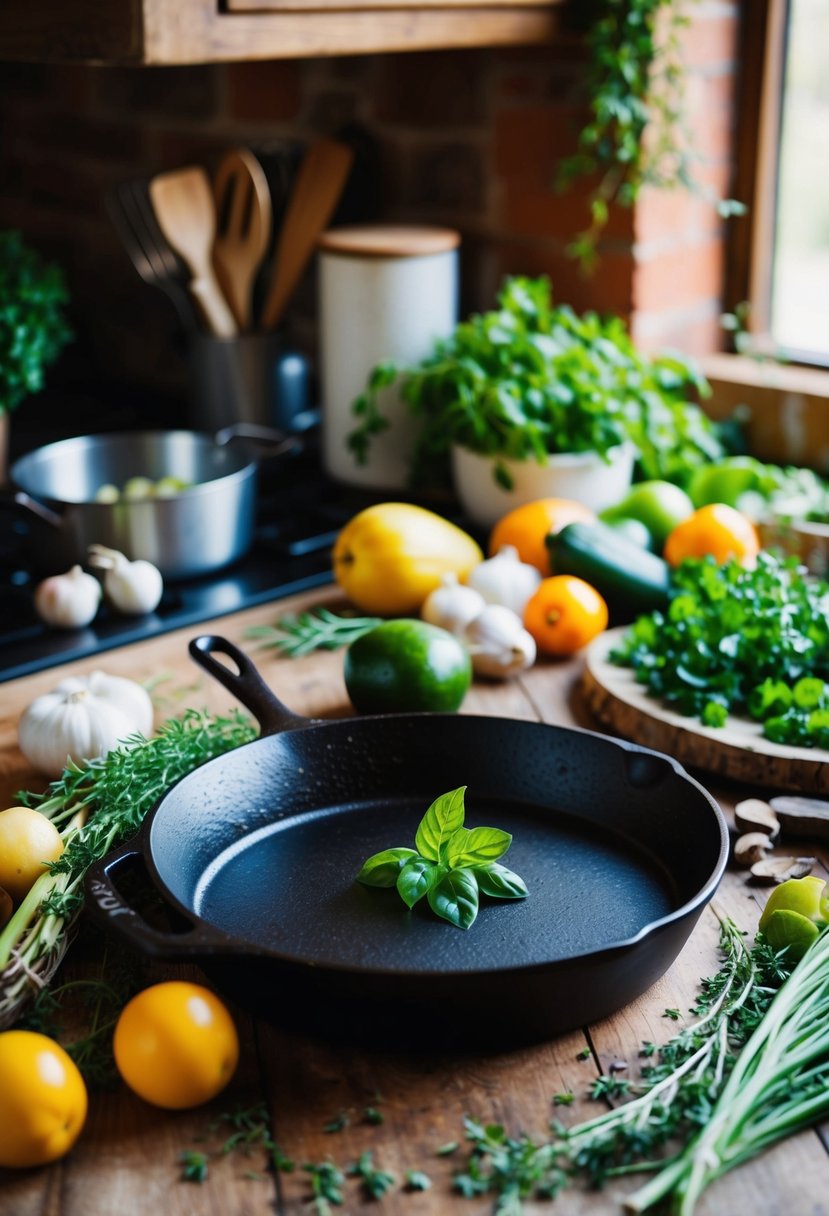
pixel 43 1100
pixel 175 1045
pixel 28 842
pixel 389 557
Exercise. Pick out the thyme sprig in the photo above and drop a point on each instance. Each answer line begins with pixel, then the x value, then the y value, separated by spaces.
pixel 95 805
pixel 319 629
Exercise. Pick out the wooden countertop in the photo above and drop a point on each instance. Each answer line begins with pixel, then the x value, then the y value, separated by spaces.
pixel 127 1159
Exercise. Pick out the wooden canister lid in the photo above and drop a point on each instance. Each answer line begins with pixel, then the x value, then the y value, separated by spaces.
pixel 389 240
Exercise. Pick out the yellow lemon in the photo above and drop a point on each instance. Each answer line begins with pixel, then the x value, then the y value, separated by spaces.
pixel 390 556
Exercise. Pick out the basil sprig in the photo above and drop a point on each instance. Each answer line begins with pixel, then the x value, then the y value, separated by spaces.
pixel 451 865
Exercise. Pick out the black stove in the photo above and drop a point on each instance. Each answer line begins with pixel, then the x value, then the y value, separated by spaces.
pixel 298 516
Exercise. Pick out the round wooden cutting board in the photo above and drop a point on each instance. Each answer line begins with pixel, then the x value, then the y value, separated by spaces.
pixel 737 750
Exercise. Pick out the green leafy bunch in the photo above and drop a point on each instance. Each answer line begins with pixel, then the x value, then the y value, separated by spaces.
pixel 637 132
pixel 531 378
pixel 450 864
pixel 33 329
pixel 748 641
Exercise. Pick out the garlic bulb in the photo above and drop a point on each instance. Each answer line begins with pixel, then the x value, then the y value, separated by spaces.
pixel 452 606
pixel 131 587
pixel 504 579
pixel 498 643
pixel 68 601
pixel 83 718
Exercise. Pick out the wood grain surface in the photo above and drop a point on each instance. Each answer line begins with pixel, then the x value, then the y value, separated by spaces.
pixel 737 750
pixel 127 1159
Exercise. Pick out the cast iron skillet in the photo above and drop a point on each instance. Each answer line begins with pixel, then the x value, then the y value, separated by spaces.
pixel 258 850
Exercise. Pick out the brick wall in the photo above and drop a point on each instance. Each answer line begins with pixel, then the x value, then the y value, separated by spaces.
pixel 467 138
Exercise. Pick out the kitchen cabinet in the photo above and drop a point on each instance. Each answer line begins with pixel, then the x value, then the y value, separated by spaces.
pixel 128 1157
pixel 204 31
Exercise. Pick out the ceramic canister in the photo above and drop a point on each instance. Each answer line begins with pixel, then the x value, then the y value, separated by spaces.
pixel 386 293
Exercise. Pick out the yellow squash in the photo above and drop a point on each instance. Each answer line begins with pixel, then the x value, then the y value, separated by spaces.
pixel 389 557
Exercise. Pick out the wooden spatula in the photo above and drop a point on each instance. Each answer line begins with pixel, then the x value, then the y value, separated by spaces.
pixel 243 229
pixel 319 184
pixel 183 205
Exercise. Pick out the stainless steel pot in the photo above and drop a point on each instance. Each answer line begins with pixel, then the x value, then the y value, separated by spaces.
pixel 200 529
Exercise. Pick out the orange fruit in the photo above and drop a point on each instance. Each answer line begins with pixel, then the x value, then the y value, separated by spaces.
pixel 175 1045
pixel 716 530
pixel 565 614
pixel 43 1100
pixel 525 527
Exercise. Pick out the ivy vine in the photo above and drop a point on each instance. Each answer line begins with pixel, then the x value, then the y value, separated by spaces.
pixel 637 134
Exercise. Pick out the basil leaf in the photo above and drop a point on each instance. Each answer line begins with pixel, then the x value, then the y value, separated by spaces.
pixel 441 821
pixel 476 848
pixel 499 882
pixel 417 878
pixel 382 869
pixel 455 898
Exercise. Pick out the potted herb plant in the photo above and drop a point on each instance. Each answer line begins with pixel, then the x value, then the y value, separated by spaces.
pixel 33 328
pixel 531 400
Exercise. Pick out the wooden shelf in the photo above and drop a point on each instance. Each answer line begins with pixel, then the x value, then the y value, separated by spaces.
pixel 160 32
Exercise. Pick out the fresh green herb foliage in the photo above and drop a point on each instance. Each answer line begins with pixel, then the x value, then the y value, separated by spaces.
pixel 117 791
pixel 33 328
pixel 373 1181
pixel 374 1116
pixel 416 1180
pixel 317 629
pixel 531 378
pixel 778 1086
pixel 246 1130
pixel 326 1185
pixel 635 82
pixel 745 641
pixel 338 1124
pixel 194 1165
pixel 674 1099
pixel 450 864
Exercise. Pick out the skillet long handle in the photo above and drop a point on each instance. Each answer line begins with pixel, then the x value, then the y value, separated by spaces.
pixel 108 906
pixel 245 683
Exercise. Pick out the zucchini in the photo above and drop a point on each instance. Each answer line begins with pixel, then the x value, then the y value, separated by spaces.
pixel 629 578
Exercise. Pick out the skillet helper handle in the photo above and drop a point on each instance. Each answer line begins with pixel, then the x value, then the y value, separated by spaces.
pixel 245 683
pixel 112 912
pixel 275 443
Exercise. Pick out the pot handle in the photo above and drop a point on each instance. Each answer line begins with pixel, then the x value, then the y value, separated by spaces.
pixel 275 442
pixel 19 498
pixel 246 684
pixel 110 909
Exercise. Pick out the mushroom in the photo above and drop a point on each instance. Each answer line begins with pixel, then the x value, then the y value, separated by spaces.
pixel 751 847
pixel 779 869
pixel 802 816
pixel 754 815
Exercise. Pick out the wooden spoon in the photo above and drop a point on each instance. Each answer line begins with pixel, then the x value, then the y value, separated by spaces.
pixel 183 205
pixel 243 210
pixel 319 184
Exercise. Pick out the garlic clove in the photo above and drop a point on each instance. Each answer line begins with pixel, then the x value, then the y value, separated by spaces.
pixel 498 643
pixel 504 579
pixel 452 605
pixel 68 601
pixel 133 588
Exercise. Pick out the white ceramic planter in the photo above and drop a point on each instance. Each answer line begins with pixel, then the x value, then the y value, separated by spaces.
pixel 582 476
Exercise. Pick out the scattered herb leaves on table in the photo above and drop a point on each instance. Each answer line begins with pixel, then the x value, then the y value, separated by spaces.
pixel 744 641
pixel 450 864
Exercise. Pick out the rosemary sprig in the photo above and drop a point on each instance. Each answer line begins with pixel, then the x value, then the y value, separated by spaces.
pixel 318 629
pixel 95 805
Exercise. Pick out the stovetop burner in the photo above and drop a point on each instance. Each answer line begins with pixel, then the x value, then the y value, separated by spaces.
pixel 298 516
